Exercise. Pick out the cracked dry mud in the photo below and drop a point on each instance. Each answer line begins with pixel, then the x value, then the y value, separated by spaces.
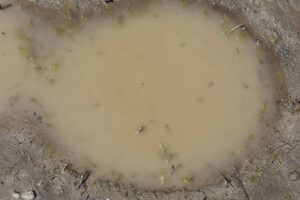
pixel 27 163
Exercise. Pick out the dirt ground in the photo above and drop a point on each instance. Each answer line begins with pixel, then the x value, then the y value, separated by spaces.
pixel 28 164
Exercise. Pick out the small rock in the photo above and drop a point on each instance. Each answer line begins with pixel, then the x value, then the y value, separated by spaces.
pixel 22 174
pixel 258 42
pixel 16 195
pixel 58 189
pixel 293 176
pixel 28 195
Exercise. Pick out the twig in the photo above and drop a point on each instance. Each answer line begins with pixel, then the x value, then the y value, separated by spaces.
pixel 228 181
pixel 241 183
pixel 83 178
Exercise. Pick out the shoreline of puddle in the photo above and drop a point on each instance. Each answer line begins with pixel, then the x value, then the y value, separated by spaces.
pixel 133 131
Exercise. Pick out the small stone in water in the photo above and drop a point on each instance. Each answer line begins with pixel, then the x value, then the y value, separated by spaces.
pixel 140 129
pixel 28 195
pixel 293 176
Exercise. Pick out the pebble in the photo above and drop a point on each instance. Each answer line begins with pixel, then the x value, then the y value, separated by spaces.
pixel 22 174
pixel 293 176
pixel 258 42
pixel 28 195
pixel 16 195
pixel 58 190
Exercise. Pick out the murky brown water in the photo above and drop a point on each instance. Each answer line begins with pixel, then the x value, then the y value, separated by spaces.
pixel 158 98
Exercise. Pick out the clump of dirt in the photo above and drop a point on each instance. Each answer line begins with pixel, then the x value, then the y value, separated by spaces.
pixel 29 164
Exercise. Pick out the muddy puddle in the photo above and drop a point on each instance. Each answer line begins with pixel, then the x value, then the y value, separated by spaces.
pixel 162 97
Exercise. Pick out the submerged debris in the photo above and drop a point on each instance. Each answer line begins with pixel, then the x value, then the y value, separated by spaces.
pixel 212 83
pixel 60 30
pixel 171 170
pixel 28 48
pixel 167 127
pixel 170 156
pixel 262 111
pixel 231 156
pixel 140 129
pixel 187 179
pixel 227 30
pixel 245 85
pixel 183 44
pixel 162 148
pixel 243 34
pixel 240 149
pixel 68 14
pixel 199 100
pixel 166 155
pixel 117 175
pixel 162 176
pixel 251 137
pixel 13 99
pixel 185 3
pixel 50 125
pixel 121 20
pixel 263 108
pixel 34 101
